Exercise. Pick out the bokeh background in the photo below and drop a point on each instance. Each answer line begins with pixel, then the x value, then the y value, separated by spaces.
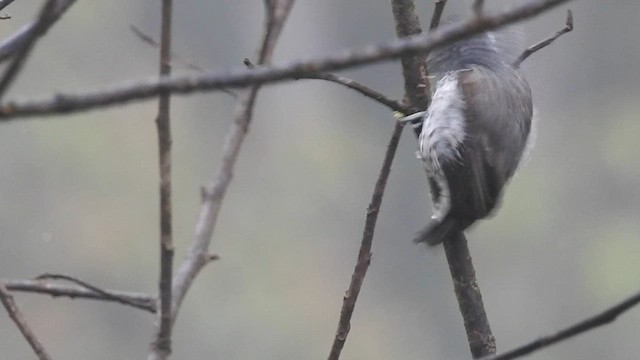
pixel 78 193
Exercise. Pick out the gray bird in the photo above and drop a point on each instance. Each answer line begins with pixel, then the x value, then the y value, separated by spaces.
pixel 474 132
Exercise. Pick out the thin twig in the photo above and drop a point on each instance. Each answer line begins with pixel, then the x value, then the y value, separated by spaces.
pixel 605 317
pixel 65 103
pixel 546 42
pixel 437 14
pixel 353 85
pixel 212 196
pixel 101 294
pixel 176 59
pixel 362 89
pixel 364 254
pixel 45 17
pixel 14 313
pixel 161 345
pixel 86 291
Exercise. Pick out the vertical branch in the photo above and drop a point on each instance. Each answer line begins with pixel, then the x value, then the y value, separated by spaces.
pixel 414 68
pixel 161 346
pixel 14 313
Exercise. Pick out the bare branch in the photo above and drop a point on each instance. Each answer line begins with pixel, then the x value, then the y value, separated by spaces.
pixel 66 103
pixel 212 196
pixel 364 254
pixel 437 14
pixel 479 336
pixel 546 42
pixel 176 59
pixel 45 18
pixel 353 85
pixel 101 294
pixel 605 317
pixel 465 285
pixel 13 43
pixel 414 66
pixel 161 345
pixel 86 291
pixel 362 89
pixel 21 323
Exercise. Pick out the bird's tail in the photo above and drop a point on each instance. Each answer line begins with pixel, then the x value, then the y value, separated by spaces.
pixel 437 231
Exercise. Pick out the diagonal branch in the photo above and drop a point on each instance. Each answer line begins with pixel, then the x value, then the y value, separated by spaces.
pixel 14 313
pixel 364 254
pixel 85 291
pixel 13 43
pixel 5 3
pixel 65 103
pixel 546 42
pixel 437 14
pixel 212 195
pixel 603 318
pixel 465 286
pixel 175 57
pixel 417 91
pixel 42 24
pixel 362 89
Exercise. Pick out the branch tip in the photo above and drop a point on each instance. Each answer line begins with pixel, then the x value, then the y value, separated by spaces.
pixel 546 42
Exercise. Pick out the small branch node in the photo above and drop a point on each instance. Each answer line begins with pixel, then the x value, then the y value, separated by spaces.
pixel 248 63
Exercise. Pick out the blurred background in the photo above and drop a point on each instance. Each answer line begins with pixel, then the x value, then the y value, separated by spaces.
pixel 78 193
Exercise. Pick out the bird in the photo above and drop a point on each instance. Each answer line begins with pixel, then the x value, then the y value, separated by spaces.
pixel 475 130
